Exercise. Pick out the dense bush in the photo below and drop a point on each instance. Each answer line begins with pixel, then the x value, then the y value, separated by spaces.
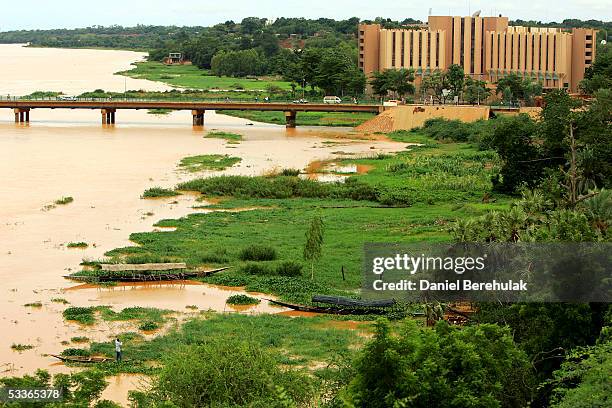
pixel 285 268
pixel 228 372
pixel 258 253
pixel 242 300
pixel 289 268
pixel 445 367
pixel 280 187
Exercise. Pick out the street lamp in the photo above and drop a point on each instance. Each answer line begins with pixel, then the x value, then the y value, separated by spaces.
pixel 304 88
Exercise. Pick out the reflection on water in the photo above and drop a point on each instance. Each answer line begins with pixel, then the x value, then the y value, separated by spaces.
pixel 105 169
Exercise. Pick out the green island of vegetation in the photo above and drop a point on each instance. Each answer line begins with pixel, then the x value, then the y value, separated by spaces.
pixel 232 138
pixel 194 164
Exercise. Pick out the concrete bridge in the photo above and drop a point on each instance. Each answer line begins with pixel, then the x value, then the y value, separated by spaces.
pixel 108 108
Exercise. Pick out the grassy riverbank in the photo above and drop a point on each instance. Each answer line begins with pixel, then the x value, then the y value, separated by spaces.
pixel 347 119
pixel 190 76
pixel 297 342
pixel 411 196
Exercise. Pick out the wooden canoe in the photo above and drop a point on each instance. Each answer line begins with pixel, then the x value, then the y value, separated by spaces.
pixel 144 267
pixel 344 301
pixel 143 277
pixel 82 359
pixel 329 310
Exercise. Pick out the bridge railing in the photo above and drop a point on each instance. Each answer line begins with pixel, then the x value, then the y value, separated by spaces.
pixel 347 101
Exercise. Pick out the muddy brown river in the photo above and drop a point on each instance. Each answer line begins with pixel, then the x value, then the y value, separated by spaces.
pixel 105 169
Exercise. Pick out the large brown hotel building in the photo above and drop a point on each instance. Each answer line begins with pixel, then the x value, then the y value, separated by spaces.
pixel 486 47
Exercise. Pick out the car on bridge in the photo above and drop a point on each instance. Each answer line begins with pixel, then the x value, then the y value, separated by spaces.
pixel 332 100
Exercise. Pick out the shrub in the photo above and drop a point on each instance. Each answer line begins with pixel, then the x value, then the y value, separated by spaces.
pixel 154 192
pixel 258 253
pixel 290 172
pixel 242 300
pixel 21 347
pixel 289 268
pixel 253 268
pixel 64 201
pixel 219 255
pixel 148 325
pixel 77 245
pixel 76 352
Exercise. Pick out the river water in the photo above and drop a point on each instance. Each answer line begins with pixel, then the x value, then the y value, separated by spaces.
pixel 105 169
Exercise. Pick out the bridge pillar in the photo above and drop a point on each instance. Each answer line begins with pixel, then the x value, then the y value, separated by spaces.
pixel 198 117
pixel 108 116
pixel 290 117
pixel 22 115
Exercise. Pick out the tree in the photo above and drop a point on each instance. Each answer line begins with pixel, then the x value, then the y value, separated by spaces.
pixel 515 142
pixel 380 84
pixel 238 63
pixel 399 81
pixel 599 75
pixel 444 367
pixel 514 88
pixel 314 243
pixel 456 79
pixel 476 91
pixel 434 85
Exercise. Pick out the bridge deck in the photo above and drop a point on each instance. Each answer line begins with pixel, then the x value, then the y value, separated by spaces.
pixel 196 105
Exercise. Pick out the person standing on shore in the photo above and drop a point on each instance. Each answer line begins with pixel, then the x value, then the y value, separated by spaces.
pixel 118 350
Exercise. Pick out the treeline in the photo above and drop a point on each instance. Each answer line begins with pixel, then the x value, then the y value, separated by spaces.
pixel 569 23
pixel 140 37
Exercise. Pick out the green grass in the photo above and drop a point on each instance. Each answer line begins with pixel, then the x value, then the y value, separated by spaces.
pixel 155 192
pixel 208 162
pixel 77 245
pixel 88 315
pixel 190 76
pixel 409 197
pixel 232 138
pixel 60 300
pixel 294 341
pixel 64 201
pixel 349 119
pixel 242 300
pixel 34 304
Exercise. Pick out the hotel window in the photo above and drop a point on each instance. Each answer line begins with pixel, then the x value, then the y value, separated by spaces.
pixel 482 47
pixel 492 41
pixel 410 50
pixel 461 59
pixel 428 53
pixel 546 51
pixel 420 49
pixel 438 50
pixel 589 37
pixel 472 44
pixel 540 54
pixel 393 49
pixel 532 51
pixel 403 48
